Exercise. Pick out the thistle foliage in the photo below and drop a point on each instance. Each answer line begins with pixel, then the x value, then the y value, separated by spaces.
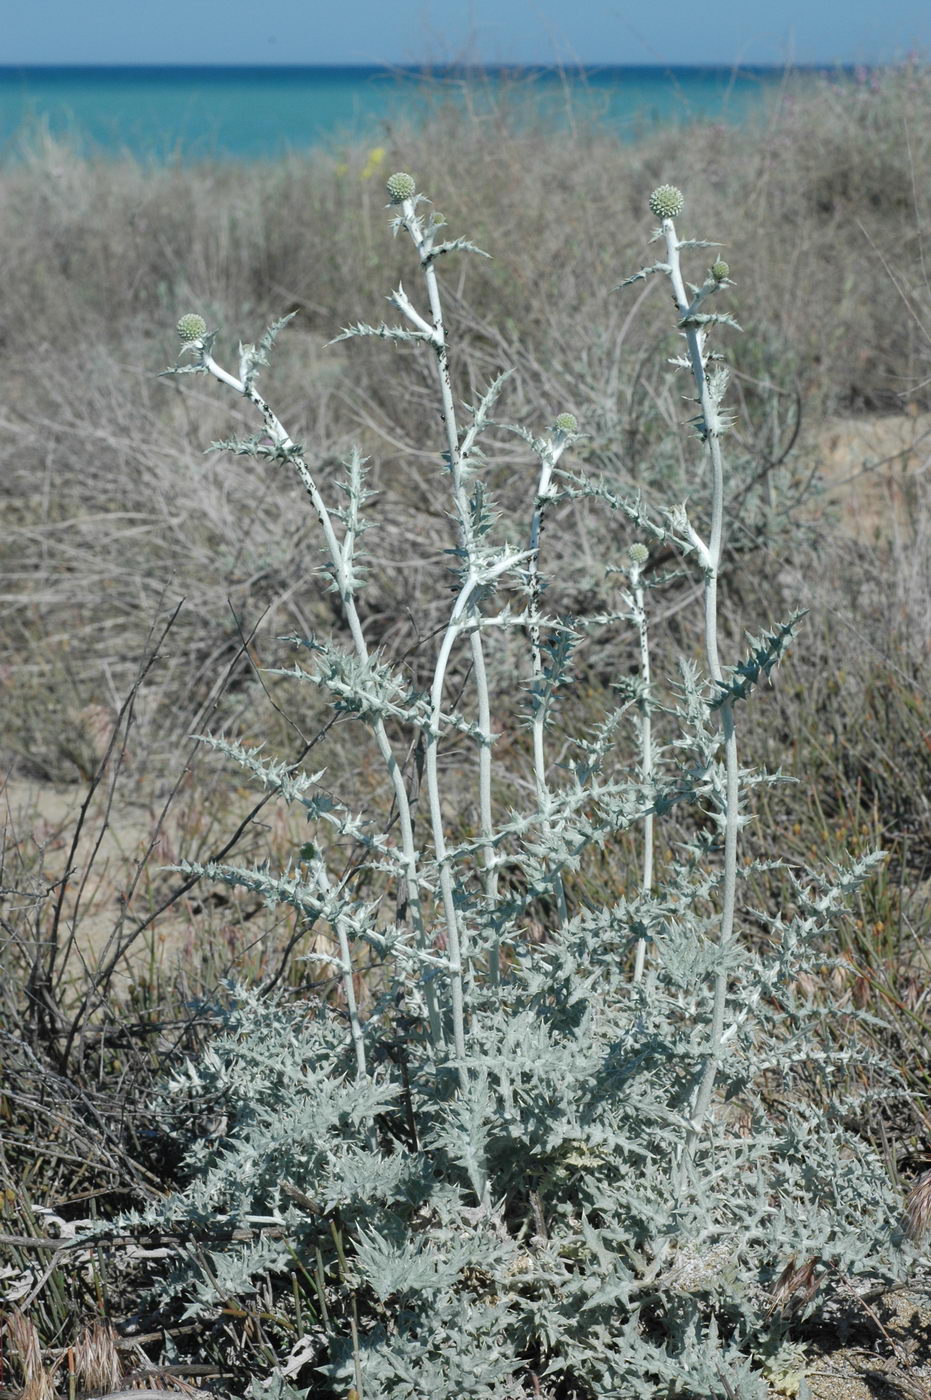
pixel 512 1166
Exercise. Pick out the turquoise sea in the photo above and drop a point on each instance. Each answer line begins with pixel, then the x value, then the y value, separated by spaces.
pixel 192 113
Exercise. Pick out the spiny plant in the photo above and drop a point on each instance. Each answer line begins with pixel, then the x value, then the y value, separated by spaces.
pixel 612 1159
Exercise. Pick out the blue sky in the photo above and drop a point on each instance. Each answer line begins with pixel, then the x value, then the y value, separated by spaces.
pixel 412 31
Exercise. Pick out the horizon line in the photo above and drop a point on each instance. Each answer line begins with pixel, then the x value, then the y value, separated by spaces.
pixel 454 67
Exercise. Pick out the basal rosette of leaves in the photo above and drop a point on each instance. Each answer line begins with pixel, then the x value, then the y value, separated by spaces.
pixel 528 1225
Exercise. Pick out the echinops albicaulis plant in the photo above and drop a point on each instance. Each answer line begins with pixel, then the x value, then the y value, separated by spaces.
pixel 574 1165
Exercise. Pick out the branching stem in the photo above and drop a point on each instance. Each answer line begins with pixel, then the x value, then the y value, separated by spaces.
pixel 463 615
pixel 423 242
pixel 287 447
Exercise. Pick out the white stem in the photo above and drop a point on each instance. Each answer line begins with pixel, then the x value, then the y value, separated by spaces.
pixel 462 606
pixel 423 243
pixel 402 301
pixel 538 727
pixel 695 339
pixel 646 750
pixel 439 837
pixel 409 851
pixel 349 990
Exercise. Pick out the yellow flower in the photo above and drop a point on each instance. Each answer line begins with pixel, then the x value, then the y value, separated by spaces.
pixel 376 157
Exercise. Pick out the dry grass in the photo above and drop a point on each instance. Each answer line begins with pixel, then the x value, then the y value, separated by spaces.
pixel 111 511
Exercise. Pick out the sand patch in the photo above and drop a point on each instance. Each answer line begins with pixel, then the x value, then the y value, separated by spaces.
pixel 871 469
pixel 116 877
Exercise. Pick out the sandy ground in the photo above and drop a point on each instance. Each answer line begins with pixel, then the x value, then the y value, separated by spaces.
pixel 118 874
pixel 882 1354
pixel 870 468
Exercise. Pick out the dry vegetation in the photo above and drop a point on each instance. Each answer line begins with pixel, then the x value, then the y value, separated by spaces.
pixel 144 584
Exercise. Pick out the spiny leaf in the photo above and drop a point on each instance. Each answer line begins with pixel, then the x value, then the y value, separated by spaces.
pixel 642 275
pixel 382 332
pixel 455 245
pixel 766 651
pixel 260 447
pixel 697 319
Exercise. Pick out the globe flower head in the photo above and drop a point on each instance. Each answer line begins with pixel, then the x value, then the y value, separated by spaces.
pixel 566 423
pixel 191 327
pixel 638 554
pixel 400 186
pixel 667 202
pixel 720 270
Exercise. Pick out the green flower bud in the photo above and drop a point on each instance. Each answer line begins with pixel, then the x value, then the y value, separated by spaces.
pixel 192 327
pixel 666 202
pixel 720 270
pixel 638 554
pixel 566 423
pixel 400 187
